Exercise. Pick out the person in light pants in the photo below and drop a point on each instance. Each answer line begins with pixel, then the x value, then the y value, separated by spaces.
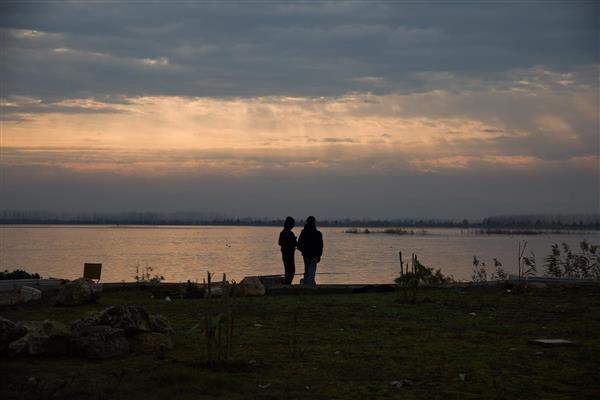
pixel 310 244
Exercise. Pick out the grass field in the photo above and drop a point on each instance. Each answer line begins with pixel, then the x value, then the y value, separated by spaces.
pixel 460 343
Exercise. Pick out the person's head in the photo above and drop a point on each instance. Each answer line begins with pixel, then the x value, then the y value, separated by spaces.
pixel 289 223
pixel 311 222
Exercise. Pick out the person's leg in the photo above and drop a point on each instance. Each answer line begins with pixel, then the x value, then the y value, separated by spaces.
pixel 305 280
pixel 290 267
pixel 312 271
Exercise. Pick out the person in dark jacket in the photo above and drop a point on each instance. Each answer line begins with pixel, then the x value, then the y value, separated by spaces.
pixel 287 242
pixel 310 243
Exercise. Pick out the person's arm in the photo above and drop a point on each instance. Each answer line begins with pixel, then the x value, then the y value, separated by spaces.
pixel 320 245
pixel 300 243
pixel 281 238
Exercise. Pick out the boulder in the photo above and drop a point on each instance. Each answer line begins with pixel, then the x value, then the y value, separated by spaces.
pixel 150 342
pixel 9 332
pixel 30 294
pixel 100 342
pixel 79 291
pixel 42 338
pixel 131 319
pixel 160 324
pixel 251 286
pixel 116 330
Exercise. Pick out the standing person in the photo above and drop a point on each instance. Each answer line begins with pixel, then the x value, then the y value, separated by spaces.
pixel 310 243
pixel 287 242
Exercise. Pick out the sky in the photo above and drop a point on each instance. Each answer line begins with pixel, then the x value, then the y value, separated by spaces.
pixel 353 109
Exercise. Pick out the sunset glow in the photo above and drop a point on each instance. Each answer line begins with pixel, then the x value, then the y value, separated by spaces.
pixel 533 117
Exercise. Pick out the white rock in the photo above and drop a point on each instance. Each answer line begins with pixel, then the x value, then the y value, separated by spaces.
pixel 30 294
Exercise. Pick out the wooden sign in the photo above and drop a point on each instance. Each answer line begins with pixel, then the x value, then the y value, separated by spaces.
pixel 92 270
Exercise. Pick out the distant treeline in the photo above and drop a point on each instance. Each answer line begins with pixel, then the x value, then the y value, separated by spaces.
pixel 570 222
pixel 574 221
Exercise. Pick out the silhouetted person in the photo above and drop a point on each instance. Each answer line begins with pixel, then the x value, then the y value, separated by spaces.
pixel 310 243
pixel 287 242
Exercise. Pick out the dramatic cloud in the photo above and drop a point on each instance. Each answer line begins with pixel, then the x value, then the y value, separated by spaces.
pixel 346 108
pixel 77 49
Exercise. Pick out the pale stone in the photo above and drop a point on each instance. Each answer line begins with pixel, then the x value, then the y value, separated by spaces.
pixel 251 286
pixel 79 291
pixel 30 294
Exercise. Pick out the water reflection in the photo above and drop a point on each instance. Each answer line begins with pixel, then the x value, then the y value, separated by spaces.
pixel 182 253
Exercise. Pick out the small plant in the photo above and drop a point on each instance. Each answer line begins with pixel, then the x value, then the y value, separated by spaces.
pixel 146 277
pixel 565 263
pixel 18 274
pixel 499 273
pixel 219 328
pixel 408 282
pixel 408 285
pixel 529 266
pixel 479 272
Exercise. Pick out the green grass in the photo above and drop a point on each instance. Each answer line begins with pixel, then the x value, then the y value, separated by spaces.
pixel 350 347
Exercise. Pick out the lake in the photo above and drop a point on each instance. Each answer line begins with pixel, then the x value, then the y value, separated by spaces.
pixel 180 253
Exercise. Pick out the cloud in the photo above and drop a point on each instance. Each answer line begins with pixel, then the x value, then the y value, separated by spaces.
pixel 546 123
pixel 321 49
pixel 398 108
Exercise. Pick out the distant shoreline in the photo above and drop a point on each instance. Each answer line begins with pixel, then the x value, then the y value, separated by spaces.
pixel 350 228
pixel 491 224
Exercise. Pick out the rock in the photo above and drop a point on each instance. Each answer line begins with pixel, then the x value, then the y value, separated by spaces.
pixel 79 291
pixel 116 330
pixel 30 294
pixel 251 286
pixel 9 332
pixel 100 342
pixel 42 338
pixel 150 342
pixel 131 319
pixel 160 324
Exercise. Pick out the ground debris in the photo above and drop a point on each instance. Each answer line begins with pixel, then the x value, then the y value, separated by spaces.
pixel 401 383
pixel 551 342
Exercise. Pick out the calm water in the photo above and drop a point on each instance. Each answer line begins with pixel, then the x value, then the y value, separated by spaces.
pixel 182 253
